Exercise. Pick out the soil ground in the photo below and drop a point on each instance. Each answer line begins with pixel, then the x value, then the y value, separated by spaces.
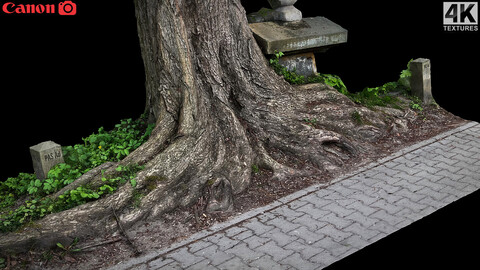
pixel 108 250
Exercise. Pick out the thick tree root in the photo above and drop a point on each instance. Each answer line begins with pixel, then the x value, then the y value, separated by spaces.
pixel 178 169
pixel 219 109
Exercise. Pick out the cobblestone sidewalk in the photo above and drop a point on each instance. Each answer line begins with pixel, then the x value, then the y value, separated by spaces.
pixel 317 226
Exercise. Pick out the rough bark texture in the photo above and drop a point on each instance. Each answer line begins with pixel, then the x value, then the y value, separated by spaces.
pixel 219 108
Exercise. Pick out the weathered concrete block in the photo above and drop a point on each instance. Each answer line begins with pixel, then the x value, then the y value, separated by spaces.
pixel 310 34
pixel 303 64
pixel 420 81
pixel 45 155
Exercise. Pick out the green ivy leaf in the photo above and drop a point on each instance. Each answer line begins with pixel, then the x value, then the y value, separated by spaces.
pixel 133 182
pixel 38 183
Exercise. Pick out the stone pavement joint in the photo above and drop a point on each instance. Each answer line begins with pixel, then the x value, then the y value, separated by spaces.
pixel 314 227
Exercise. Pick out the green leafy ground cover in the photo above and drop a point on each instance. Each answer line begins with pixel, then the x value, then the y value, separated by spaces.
pixel 369 96
pixel 24 199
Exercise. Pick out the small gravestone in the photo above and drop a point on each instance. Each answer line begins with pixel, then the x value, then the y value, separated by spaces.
pixel 420 81
pixel 45 155
pixel 285 11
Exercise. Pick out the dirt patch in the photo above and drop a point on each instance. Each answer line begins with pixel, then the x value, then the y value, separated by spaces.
pixel 406 128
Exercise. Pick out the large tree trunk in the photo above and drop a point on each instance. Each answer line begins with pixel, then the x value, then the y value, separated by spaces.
pixel 219 108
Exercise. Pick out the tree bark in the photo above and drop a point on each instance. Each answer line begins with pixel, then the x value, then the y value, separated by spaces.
pixel 219 109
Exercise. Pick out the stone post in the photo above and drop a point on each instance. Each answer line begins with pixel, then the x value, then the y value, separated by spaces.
pixel 285 11
pixel 420 82
pixel 44 156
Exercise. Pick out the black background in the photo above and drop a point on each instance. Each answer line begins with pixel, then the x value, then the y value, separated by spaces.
pixel 62 77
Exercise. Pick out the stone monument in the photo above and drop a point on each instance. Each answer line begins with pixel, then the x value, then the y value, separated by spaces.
pixel 45 155
pixel 420 81
pixel 283 10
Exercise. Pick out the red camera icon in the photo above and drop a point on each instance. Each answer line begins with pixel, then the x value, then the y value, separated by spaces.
pixel 67 8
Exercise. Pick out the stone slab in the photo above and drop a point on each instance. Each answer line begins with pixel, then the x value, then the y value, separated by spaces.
pixel 308 34
pixel 45 155
pixel 421 82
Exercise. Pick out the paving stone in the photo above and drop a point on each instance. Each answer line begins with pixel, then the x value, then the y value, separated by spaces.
pixel 222 241
pixel 214 255
pixel 386 187
pixel 243 235
pixel 413 196
pixel 234 231
pixel 243 252
pixel 432 185
pixel 404 184
pixel 337 221
pixel 287 212
pixel 298 262
pixel 203 265
pixel 160 262
pixel 427 211
pixel 365 233
pixel 235 263
pixel 365 199
pixel 383 227
pixel 406 203
pixel 300 202
pixel 277 253
pixel 409 215
pixel 280 238
pixel 407 167
pixel 457 184
pixel 359 206
pixel 365 221
pixel 255 241
pixel 431 202
pixel 172 266
pixel 390 219
pixel 257 227
pixel 429 176
pixel 338 210
pixel 283 224
pixel 307 235
pixel 332 232
pixel 448 167
pixel 198 245
pixel 267 263
pixel 323 259
pixel 364 189
pixel 412 179
pixel 354 241
pixel 307 221
pixel 384 205
pixel 334 248
pixel 453 191
pixel 312 211
pixel 184 257
pixel 265 217
pixel 348 182
pixel 306 251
